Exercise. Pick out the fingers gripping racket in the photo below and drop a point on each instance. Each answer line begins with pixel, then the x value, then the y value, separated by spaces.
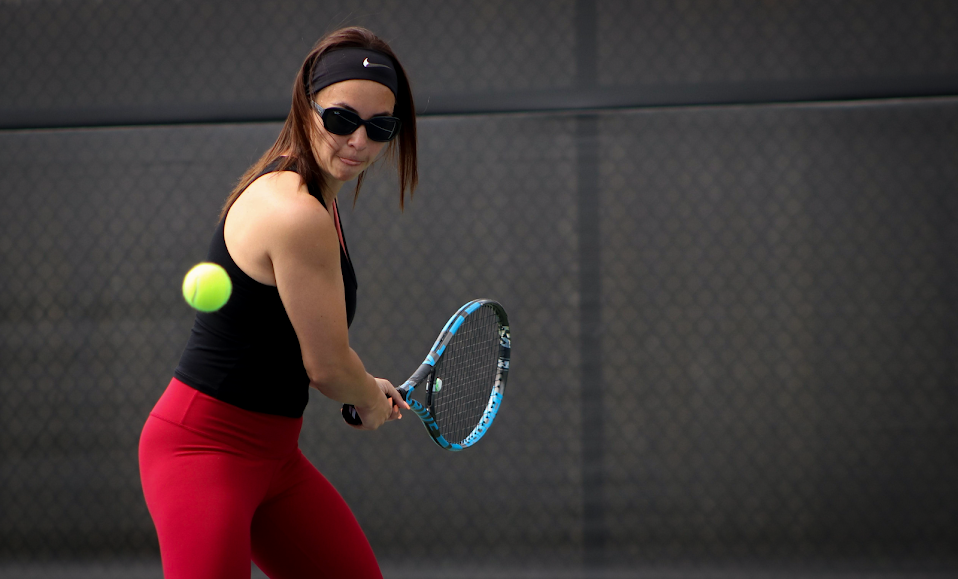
pixel 462 380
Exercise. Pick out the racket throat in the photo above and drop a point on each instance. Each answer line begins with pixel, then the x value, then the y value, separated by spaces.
pixel 430 385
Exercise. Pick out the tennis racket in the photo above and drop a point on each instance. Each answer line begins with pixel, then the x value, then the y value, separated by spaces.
pixel 460 384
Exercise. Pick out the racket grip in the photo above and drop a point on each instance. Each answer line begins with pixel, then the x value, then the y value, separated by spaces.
pixel 352 417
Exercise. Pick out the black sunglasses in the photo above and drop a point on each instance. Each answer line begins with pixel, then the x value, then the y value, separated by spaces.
pixel 342 122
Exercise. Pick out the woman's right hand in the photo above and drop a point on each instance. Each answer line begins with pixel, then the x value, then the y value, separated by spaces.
pixel 388 407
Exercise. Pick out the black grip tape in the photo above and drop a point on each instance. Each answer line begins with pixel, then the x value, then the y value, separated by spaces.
pixel 352 417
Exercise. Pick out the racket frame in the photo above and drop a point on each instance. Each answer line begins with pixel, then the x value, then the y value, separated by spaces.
pixel 426 377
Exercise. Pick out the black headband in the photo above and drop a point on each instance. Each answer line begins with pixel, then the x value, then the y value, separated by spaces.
pixel 354 63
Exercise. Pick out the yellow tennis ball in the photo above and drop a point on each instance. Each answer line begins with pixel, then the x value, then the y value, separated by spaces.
pixel 207 287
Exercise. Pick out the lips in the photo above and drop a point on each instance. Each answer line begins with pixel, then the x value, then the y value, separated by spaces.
pixel 351 162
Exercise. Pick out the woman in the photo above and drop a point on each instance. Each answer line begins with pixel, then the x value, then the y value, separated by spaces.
pixel 222 473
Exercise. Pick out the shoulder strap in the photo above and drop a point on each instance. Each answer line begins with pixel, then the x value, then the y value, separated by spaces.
pixel 339 229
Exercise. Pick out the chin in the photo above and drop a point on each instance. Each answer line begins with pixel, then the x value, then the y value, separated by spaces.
pixel 350 173
pixel 346 176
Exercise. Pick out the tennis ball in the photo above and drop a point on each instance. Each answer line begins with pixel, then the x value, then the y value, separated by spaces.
pixel 207 287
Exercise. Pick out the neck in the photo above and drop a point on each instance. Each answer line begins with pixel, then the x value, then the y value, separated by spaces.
pixel 331 189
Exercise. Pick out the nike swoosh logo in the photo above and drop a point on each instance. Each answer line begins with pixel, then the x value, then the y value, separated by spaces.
pixel 368 64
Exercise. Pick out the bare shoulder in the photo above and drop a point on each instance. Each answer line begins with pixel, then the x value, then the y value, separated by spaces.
pixel 271 192
pixel 276 216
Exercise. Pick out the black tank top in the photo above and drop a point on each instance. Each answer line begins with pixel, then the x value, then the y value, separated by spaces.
pixel 247 353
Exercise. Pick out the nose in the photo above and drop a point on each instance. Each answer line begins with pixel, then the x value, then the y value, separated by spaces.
pixel 359 140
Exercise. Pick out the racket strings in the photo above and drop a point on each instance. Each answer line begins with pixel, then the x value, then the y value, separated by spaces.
pixel 467 370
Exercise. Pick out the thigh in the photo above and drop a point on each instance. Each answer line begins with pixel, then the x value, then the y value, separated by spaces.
pixel 307 530
pixel 202 501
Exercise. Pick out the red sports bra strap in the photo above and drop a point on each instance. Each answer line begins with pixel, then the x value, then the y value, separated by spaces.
pixel 339 228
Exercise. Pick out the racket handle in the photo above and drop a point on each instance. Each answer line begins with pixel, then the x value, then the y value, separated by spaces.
pixel 352 417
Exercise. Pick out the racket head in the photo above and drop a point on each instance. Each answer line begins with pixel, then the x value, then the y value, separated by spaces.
pixel 462 381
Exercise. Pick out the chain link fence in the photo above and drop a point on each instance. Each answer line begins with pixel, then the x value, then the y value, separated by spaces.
pixel 734 326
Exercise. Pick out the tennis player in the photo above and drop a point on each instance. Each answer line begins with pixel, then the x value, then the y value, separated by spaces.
pixel 222 473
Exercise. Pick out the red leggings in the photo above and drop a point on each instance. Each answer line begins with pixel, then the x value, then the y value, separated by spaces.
pixel 225 486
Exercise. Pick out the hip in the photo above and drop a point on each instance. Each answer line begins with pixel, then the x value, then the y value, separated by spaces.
pixel 222 424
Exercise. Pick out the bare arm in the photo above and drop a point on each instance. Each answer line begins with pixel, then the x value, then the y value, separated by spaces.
pixel 303 247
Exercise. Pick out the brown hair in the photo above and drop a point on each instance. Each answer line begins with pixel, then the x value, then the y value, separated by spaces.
pixel 294 141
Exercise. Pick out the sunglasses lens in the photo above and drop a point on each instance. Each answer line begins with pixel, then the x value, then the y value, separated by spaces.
pixel 382 129
pixel 340 122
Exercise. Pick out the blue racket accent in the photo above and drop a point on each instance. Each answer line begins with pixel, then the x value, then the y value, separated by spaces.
pixel 451 327
pixel 474 378
pixel 431 427
pixel 449 330
pixel 487 417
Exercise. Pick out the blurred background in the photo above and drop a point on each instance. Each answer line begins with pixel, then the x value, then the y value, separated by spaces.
pixel 726 233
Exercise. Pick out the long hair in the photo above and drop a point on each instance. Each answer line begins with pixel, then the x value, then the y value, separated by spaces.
pixel 294 139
